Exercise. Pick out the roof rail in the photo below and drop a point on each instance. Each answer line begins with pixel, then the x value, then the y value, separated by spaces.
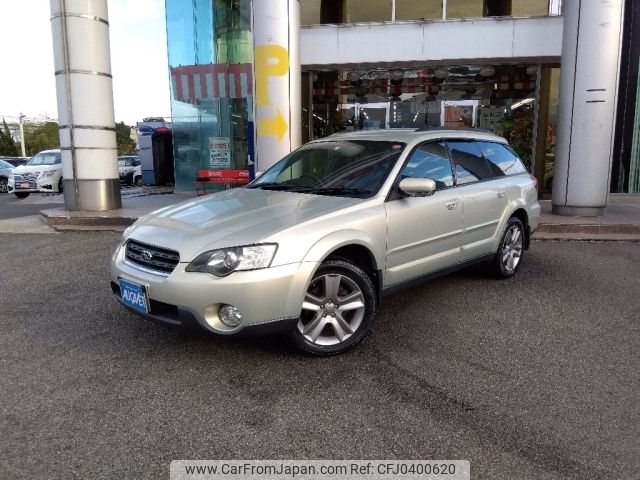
pixel 456 129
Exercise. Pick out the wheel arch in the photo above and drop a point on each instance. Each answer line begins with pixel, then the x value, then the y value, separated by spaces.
pixel 355 246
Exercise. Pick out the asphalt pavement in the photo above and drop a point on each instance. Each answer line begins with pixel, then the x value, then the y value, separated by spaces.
pixel 14 207
pixel 530 378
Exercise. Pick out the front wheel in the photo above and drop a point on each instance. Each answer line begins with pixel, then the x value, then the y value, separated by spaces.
pixel 510 249
pixel 22 194
pixel 339 308
pixel 138 181
pixel 60 186
pixel 4 185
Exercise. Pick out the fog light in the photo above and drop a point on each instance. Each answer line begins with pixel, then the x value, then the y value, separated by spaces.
pixel 230 316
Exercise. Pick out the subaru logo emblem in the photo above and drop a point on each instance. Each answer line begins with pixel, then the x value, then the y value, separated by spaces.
pixel 147 255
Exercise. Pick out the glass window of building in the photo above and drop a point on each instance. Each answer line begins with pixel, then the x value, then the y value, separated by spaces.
pixel 465 8
pixel 529 8
pixel 210 59
pixel 310 12
pixel 413 10
pixel 368 11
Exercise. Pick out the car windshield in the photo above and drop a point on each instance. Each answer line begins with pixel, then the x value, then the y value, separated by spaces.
pixel 126 162
pixel 339 167
pixel 45 158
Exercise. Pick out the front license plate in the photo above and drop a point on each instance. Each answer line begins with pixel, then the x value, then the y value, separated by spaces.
pixel 24 185
pixel 134 295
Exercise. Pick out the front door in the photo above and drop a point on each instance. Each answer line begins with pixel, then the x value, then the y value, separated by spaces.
pixel 424 233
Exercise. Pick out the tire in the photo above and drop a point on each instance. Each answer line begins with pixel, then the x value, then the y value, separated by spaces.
pixel 325 327
pixel 22 194
pixel 60 186
pixel 138 181
pixel 510 250
pixel 4 185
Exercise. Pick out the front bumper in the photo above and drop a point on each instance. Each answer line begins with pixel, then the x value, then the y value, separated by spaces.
pixel 47 185
pixel 269 299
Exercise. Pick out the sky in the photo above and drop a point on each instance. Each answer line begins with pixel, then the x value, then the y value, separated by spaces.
pixel 138 60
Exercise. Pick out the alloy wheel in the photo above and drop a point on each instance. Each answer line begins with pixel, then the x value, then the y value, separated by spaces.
pixel 332 311
pixel 4 185
pixel 512 248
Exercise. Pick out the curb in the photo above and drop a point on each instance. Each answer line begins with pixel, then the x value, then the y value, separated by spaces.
pixel 590 228
pixel 63 221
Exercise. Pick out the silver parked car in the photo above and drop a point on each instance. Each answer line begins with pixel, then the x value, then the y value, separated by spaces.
pixel 312 245
pixel 5 171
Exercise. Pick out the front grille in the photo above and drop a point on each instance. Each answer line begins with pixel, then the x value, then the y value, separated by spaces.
pixel 18 180
pixel 157 259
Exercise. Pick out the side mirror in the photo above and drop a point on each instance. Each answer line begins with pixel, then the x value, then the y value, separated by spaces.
pixel 417 187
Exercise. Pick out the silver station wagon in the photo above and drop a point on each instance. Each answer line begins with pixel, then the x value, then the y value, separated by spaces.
pixel 312 245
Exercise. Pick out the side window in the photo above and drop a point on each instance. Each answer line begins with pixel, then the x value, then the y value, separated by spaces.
pixel 430 160
pixel 468 163
pixel 501 159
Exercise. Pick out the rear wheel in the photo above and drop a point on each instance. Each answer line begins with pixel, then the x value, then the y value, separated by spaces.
pixel 339 308
pixel 510 250
pixel 22 194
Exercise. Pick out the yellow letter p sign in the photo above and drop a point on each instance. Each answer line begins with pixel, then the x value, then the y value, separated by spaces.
pixel 270 61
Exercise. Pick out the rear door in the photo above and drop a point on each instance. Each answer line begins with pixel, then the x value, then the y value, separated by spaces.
pixel 484 198
pixel 424 233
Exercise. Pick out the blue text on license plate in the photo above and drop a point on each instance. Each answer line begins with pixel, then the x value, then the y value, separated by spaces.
pixel 134 295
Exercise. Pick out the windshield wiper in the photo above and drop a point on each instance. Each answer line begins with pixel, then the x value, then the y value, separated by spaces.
pixel 340 191
pixel 282 186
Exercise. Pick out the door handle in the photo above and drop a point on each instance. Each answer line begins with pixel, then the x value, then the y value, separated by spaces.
pixel 452 204
pixel 501 194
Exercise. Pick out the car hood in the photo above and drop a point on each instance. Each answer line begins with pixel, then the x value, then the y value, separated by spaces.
pixel 35 168
pixel 232 218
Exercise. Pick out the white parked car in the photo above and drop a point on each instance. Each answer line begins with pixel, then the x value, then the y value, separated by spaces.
pixel 41 174
pixel 313 244
pixel 5 171
pixel 130 170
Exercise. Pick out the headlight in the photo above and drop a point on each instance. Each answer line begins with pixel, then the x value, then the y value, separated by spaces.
pixel 227 260
pixel 48 173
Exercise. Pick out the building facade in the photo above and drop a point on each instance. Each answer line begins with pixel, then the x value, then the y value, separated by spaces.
pixel 490 64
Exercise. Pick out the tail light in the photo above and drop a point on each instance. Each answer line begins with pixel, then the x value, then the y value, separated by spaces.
pixel 535 181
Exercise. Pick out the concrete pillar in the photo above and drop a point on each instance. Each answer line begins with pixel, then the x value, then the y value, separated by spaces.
pixel 591 45
pixel 276 34
pixel 80 30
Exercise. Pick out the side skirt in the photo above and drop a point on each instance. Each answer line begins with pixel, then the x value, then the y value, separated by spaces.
pixel 438 273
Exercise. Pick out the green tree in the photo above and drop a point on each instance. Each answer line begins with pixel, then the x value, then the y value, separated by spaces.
pixel 7 145
pixel 126 146
pixel 40 136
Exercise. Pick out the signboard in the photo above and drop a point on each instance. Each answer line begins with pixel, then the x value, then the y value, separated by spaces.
pixel 490 118
pixel 219 152
pixel 223 177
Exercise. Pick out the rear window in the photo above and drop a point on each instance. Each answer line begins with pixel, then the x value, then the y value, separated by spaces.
pixel 501 159
pixel 468 163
